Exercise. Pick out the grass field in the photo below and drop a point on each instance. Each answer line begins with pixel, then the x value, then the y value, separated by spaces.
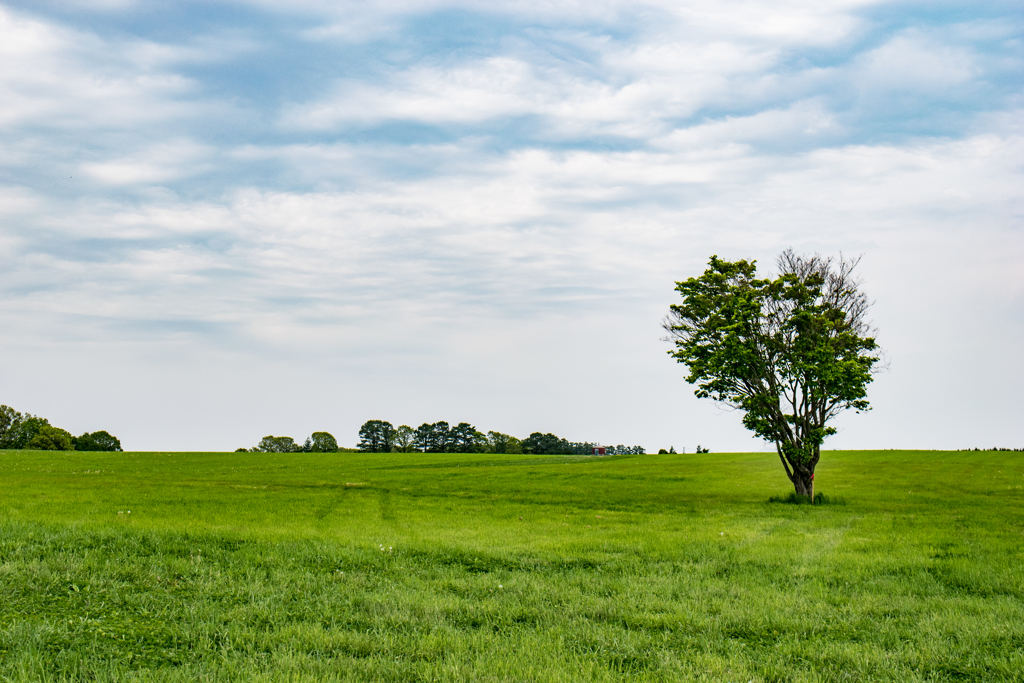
pixel 413 567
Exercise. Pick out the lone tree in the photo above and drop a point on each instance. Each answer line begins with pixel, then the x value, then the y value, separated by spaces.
pixel 791 352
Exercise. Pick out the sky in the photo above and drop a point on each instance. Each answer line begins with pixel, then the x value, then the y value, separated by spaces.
pixel 221 220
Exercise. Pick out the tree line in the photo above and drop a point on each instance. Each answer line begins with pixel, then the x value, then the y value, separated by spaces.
pixel 24 430
pixel 317 442
pixel 380 436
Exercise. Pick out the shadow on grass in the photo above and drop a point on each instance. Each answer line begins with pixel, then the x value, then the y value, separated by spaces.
pixel 795 499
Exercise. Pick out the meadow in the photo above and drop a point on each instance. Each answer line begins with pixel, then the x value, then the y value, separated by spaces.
pixel 451 567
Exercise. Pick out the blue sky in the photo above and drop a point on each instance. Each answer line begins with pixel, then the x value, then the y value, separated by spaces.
pixel 221 220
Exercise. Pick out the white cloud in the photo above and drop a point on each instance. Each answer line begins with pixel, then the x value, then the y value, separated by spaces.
pixel 55 76
pixel 153 164
pixel 539 219
pixel 804 22
pixel 641 89
pixel 807 119
pixel 912 62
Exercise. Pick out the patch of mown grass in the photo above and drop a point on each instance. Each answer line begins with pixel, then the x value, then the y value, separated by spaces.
pixel 419 567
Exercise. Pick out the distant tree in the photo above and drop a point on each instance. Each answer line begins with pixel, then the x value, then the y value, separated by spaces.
pixel 10 426
pixel 277 444
pixel 27 430
pixel 790 352
pixel 672 450
pixel 49 438
pixel 97 441
pixel 404 441
pixel 662 451
pixel 496 442
pixel 241 450
pixel 376 436
pixel 322 442
pixel 423 438
pixel 433 438
pixel 546 444
pixel 443 440
pixel 466 439
pixel 702 450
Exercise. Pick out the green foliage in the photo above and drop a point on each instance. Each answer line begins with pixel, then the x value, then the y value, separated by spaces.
pixel 10 427
pixel 18 429
pixel 321 442
pixel 277 444
pixel 404 440
pixel 49 438
pixel 440 437
pixel 21 430
pixel 376 436
pixel 502 443
pixel 30 427
pixel 97 441
pixel 466 439
pixel 790 352
pixel 465 567
pixel 546 444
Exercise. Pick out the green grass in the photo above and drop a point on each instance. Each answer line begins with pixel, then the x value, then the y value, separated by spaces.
pixel 262 567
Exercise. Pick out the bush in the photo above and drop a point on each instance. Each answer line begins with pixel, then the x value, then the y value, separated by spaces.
pixel 50 438
pixel 277 444
pixel 97 441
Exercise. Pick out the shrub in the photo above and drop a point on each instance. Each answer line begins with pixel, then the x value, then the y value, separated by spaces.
pixel 97 441
pixel 50 438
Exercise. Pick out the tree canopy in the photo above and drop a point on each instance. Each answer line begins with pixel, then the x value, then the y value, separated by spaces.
pixel 546 444
pixel 321 442
pixel 49 438
pixel 277 444
pixel 97 441
pixel 376 436
pixel 23 430
pixel 791 352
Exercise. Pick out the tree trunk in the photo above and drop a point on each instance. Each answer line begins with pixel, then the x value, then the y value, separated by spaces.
pixel 804 484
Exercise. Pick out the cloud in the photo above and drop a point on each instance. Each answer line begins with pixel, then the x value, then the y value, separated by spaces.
pixel 911 62
pixel 57 78
pixel 152 164
pixel 533 230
